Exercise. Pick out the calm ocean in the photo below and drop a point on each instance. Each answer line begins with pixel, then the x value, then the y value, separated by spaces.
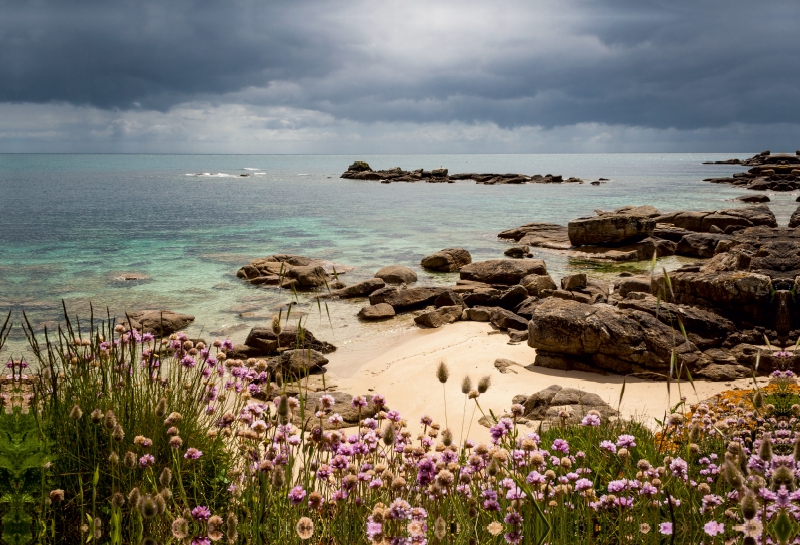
pixel 70 224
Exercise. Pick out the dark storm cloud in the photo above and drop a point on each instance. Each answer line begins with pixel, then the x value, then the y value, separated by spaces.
pixel 682 64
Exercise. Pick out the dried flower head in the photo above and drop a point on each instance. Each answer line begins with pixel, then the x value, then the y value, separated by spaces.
pixel 180 528
pixel 56 495
pixel 109 420
pixel 161 407
pixel 96 416
pixel 147 506
pixel 442 372
pixel 133 498
pixel 165 477
pixel 129 460
pixel 304 528
pixel 76 413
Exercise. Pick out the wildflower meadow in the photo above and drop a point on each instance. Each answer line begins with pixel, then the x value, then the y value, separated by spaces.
pixel 115 436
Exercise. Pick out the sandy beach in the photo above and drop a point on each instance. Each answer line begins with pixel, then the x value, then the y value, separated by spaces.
pixel 403 369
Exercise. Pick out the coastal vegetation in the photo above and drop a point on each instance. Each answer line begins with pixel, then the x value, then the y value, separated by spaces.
pixel 112 436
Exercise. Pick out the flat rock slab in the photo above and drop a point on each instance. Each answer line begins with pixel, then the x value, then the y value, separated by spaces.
pixel 503 271
pixel 406 298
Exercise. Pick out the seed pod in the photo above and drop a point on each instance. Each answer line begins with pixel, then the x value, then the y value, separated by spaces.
pixel 442 372
pixel 765 449
pixel 118 434
pixel 76 413
pixel 388 435
pixel 283 409
pixel 117 500
pixel 161 503
pixel 133 498
pixel 733 476
pixel 165 477
pixel 447 437
pixel 148 507
pixel 749 506
pixel 782 476
pixel 129 460
pixel 110 420
pixel 161 407
pixel 276 325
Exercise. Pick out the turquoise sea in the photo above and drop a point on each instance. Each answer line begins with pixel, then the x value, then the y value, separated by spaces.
pixel 70 225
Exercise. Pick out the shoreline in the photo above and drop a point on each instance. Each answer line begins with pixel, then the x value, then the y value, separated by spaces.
pixel 405 374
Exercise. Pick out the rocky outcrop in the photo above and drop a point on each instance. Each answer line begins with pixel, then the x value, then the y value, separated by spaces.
pixel 439 317
pixel 568 404
pixel 778 172
pixel 262 341
pixel 302 362
pixel 447 260
pixel 622 226
pixel 157 322
pixel 342 405
pixel 502 271
pixel 539 235
pixel 360 170
pixel 396 274
pixel 535 283
pixel 505 319
pixel 290 271
pixel 359 289
pixel 406 298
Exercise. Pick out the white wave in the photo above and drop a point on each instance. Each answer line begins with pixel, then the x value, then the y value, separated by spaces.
pixel 304 174
pixel 213 175
pixel 259 174
pixel 245 168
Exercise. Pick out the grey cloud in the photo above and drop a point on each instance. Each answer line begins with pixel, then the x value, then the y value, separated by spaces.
pixel 681 64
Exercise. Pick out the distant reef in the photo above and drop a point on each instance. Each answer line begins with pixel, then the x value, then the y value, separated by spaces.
pixel 360 170
pixel 769 172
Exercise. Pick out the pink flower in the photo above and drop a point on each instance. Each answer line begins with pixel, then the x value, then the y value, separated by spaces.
pixel 665 528
pixel 714 528
pixel 192 454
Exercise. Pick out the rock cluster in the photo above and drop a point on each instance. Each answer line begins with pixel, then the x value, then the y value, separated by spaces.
pixel 557 405
pixel 778 172
pixel 362 171
pixel 291 272
pixel 635 233
pixel 727 306
pixel 157 322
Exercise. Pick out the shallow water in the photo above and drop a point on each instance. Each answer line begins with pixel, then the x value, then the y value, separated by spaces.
pixel 72 224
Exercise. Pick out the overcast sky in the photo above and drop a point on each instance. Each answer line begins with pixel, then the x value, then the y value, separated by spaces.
pixel 409 76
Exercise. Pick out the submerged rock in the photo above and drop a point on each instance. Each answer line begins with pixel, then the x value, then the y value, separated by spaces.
pixel 447 260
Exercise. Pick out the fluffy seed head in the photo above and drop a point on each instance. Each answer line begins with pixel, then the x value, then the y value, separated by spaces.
pixel 117 434
pixel 147 506
pixel 133 497
pixel 161 407
pixel 442 372
pixel 765 449
pixel 109 420
pixel 749 506
pixel 165 477
pixel 388 435
pixel 758 400
pixel 76 413
pixel 304 528
pixel 180 528
pixel 484 383
pixel 447 437
pixel 466 385
pixel 96 416
pixel 118 500
pixel 129 460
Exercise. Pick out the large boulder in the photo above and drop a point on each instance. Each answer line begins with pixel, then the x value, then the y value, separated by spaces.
pixel 381 311
pixel 157 322
pixel 623 226
pixel 447 260
pixel 624 286
pixel 290 271
pixel 267 343
pixel 439 317
pixel 406 299
pixel 502 271
pixel 396 274
pixel 599 336
pixel 301 362
pixel 550 402
pixel 342 405
pixel 491 297
pixel 359 289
